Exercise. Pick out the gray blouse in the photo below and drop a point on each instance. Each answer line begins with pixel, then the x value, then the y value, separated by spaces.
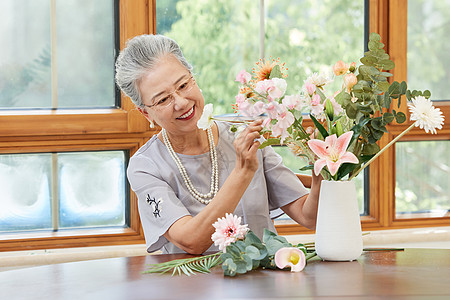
pixel 163 197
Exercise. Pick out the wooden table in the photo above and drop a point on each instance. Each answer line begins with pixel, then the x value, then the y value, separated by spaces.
pixel 409 274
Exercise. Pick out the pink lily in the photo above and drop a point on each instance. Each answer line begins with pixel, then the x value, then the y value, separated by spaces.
pixel 332 152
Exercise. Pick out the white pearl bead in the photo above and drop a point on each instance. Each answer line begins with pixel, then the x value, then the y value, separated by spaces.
pixel 203 198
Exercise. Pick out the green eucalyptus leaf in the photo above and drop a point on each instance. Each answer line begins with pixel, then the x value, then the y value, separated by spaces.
pixel 400 117
pixel 387 100
pixel 241 266
pixel 248 261
pixel 427 94
pixel 229 267
pixel 388 117
pixel 251 238
pixel 408 95
pixel 273 246
pixel 403 87
pixel 374 36
pixel 253 252
pixel 370 149
pixel 268 235
pixel 383 85
pixel 368 60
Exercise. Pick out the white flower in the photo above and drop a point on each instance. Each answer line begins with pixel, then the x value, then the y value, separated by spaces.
pixel 228 230
pixel 318 80
pixel 425 115
pixel 206 120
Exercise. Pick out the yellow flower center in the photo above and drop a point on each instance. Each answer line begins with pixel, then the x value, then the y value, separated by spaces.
pixel 294 258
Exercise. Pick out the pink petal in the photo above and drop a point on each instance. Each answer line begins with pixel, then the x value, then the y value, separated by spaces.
pixel 318 147
pixel 349 157
pixel 318 165
pixel 283 255
pixel 333 166
pixel 331 140
pixel 343 141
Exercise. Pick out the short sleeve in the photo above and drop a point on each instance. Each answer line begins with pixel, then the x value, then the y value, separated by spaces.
pixel 283 186
pixel 158 205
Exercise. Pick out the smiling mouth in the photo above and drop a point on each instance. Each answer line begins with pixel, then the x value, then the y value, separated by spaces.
pixel 188 115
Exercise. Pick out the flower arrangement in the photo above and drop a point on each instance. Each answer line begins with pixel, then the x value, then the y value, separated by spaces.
pixel 241 251
pixel 347 122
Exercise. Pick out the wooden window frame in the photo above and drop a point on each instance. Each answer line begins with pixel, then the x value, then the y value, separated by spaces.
pixel 63 130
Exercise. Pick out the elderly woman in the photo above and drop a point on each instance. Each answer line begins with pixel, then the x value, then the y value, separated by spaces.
pixel 185 178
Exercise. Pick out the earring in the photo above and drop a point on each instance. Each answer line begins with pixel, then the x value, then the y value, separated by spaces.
pixel 152 125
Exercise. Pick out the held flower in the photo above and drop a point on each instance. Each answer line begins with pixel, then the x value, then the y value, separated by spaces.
pixel 425 115
pixel 332 152
pixel 290 257
pixel 206 120
pixel 228 230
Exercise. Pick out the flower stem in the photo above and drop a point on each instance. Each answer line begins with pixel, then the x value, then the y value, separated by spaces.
pixel 381 151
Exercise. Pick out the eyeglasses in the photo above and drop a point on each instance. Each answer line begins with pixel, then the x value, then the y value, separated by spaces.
pixel 183 90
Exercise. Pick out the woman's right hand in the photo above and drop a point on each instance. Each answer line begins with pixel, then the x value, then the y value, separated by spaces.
pixel 246 145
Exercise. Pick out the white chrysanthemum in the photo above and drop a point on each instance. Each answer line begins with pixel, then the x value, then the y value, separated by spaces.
pixel 425 115
pixel 228 230
pixel 206 120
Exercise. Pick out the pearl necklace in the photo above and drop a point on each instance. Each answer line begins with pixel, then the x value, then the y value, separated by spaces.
pixel 203 198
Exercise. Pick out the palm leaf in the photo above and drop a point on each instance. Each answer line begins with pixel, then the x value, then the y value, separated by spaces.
pixel 187 266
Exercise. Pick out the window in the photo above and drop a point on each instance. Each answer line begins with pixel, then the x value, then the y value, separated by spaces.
pixel 65 131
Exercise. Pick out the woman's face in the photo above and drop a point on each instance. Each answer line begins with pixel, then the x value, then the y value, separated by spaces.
pixel 166 84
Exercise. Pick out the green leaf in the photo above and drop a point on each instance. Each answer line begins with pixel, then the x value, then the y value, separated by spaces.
pixel 403 87
pixel 241 266
pixel 319 126
pixel 249 262
pixel 345 169
pixel 307 168
pixel 400 117
pixel 427 94
pixel 388 117
pixel 270 142
pixel 374 37
pixel 273 246
pixel 229 267
pixel 387 100
pixel 370 149
pixel 253 252
pixel 268 235
pixel 251 238
pixel 276 72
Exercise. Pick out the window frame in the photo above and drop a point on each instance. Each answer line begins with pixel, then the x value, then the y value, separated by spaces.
pixel 67 130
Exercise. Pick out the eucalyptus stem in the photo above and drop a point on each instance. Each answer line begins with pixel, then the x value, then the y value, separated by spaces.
pixel 382 150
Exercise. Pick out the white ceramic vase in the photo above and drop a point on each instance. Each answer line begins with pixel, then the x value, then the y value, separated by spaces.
pixel 338 229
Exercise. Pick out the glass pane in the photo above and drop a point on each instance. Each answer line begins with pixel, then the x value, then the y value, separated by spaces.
pixel 219 38
pixel 26 192
pixel 295 163
pixel 92 188
pixel 311 36
pixel 25 60
pixel 85 51
pixel 428 49
pixel 422 178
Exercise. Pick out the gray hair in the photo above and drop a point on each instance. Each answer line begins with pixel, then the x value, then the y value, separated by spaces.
pixel 139 56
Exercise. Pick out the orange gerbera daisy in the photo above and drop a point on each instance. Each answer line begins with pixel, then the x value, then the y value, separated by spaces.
pixel 246 91
pixel 264 68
